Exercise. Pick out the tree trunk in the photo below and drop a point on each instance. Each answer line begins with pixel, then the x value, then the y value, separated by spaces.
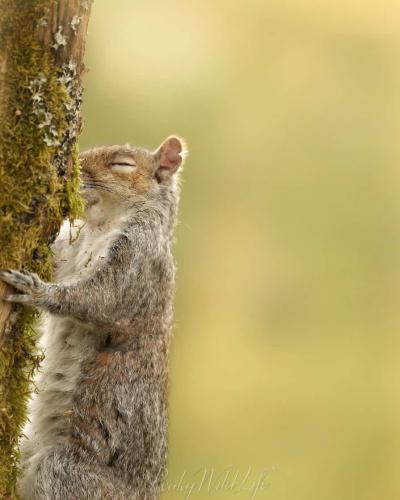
pixel 41 64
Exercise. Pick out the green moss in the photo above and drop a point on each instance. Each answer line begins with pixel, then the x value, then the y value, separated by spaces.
pixel 39 179
pixel 73 204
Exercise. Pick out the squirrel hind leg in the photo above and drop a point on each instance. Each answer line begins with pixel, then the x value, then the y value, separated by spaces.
pixel 62 475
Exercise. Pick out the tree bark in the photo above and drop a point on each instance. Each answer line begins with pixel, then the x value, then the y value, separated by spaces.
pixel 41 66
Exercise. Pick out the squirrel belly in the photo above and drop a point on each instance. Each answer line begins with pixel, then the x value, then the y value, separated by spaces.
pixel 66 343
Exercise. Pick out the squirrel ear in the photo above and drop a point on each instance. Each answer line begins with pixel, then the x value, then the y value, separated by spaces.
pixel 170 156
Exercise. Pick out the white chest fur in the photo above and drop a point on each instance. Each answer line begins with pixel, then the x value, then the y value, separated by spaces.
pixel 83 247
pixel 79 250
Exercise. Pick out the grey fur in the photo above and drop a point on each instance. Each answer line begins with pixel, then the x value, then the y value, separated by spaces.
pixel 99 421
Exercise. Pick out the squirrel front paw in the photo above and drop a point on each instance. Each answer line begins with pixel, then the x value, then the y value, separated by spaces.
pixel 32 288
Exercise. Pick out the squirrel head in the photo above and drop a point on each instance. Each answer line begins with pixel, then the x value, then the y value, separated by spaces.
pixel 122 174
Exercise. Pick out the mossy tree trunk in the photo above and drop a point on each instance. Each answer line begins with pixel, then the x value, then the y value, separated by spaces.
pixel 41 65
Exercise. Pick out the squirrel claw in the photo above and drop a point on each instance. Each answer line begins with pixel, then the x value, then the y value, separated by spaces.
pixel 19 298
pixel 21 281
pixel 28 283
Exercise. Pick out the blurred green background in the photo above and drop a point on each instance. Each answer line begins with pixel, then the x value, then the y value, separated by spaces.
pixel 286 353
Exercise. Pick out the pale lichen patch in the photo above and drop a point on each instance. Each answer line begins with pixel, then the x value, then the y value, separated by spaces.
pixel 75 22
pixel 59 39
pixel 43 21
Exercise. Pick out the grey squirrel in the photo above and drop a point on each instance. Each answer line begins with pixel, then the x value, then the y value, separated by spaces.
pixel 98 425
